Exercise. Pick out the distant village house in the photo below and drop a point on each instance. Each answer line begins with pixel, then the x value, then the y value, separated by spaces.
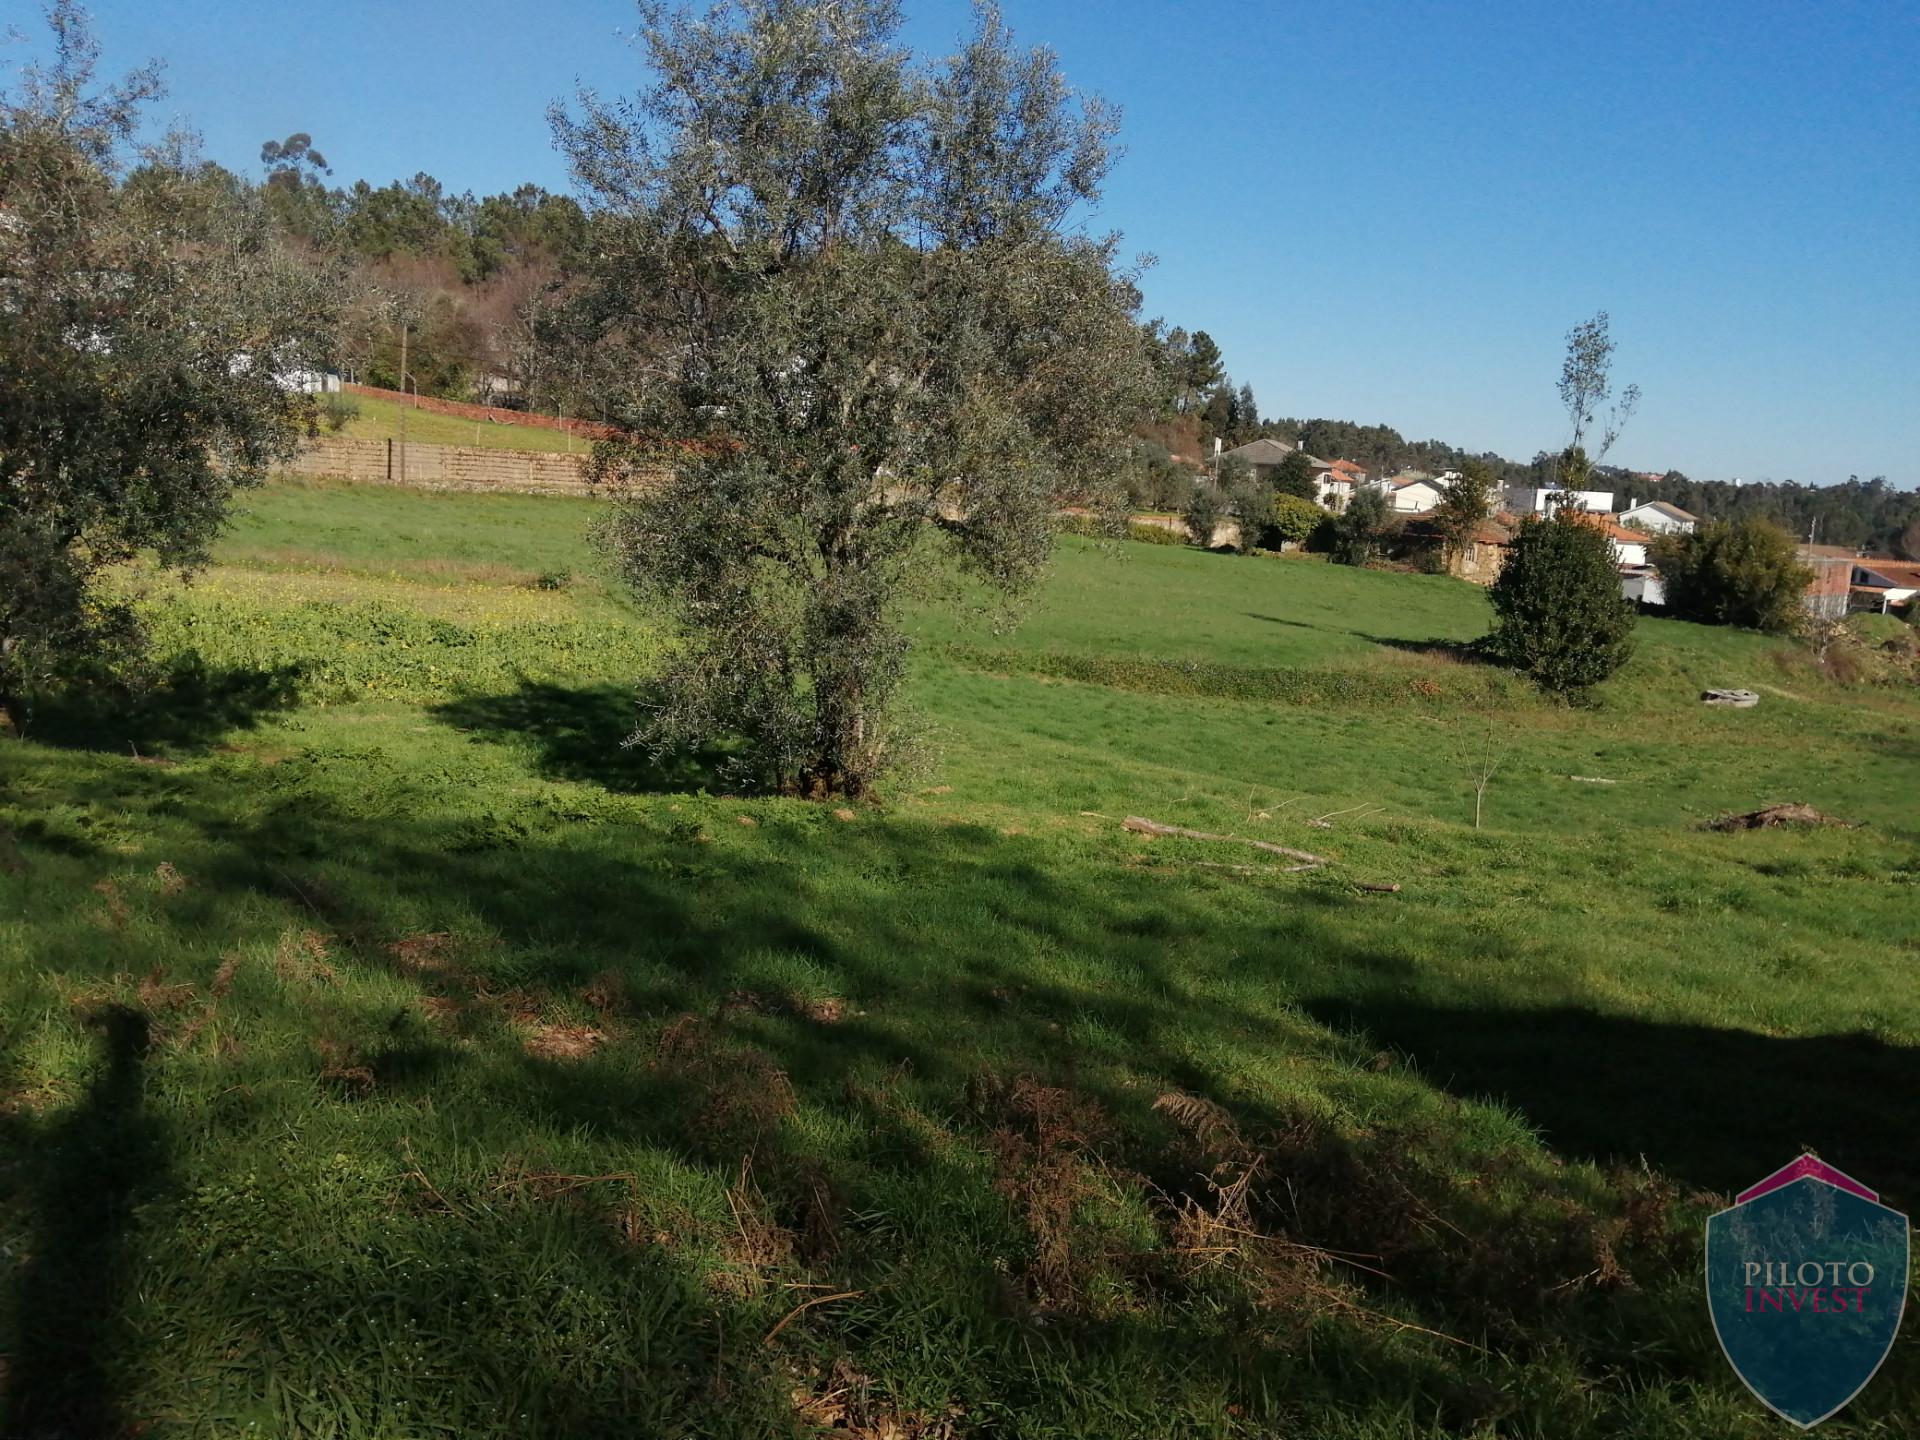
pixel 1658 517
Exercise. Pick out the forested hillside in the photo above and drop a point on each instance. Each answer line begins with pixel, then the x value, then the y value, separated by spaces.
pixel 467 279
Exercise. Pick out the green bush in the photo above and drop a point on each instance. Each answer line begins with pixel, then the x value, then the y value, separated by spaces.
pixel 336 410
pixel 1562 619
pixel 1294 520
pixel 1207 510
pixel 1746 573
pixel 1153 534
pixel 1155 480
pixel 1358 532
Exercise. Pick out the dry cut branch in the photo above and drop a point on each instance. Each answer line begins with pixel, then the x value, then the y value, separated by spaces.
pixel 1140 825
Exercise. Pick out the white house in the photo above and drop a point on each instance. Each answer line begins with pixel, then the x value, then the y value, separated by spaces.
pixel 1659 517
pixel 1642 584
pixel 1629 547
pixel 1416 496
pixel 1886 583
pixel 313 382
pixel 1525 501
pixel 1333 489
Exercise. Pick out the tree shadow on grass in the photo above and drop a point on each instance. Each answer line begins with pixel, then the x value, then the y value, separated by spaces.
pixel 955 953
pixel 1462 652
pixel 579 732
pixel 187 707
pixel 92 1166
pixel 1717 1107
pixel 1300 624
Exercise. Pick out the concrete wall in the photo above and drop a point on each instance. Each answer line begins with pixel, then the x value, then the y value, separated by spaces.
pixel 442 467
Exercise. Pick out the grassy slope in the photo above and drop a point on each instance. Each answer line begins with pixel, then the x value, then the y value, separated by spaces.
pixel 291 1136
pixel 382 419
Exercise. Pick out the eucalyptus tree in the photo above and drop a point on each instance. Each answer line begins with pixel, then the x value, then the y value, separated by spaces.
pixel 147 319
pixel 858 338
pixel 1586 383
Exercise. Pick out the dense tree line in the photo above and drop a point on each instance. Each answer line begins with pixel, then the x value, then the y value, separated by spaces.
pixel 1864 514
pixel 458 275
pixel 1195 385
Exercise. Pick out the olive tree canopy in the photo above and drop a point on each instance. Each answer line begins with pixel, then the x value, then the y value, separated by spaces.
pixel 849 309
pixel 147 320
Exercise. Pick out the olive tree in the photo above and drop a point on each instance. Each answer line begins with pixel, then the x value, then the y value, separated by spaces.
pixel 145 317
pixel 856 334
pixel 1357 533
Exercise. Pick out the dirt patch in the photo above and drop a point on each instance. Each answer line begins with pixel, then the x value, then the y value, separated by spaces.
pixel 1042 1138
pixel 116 914
pixel 842 1403
pixel 607 993
pixel 157 997
pixel 563 1043
pixel 223 977
pixel 301 958
pixel 742 1096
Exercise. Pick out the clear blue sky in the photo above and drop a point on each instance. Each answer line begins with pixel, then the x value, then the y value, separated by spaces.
pixel 1382 211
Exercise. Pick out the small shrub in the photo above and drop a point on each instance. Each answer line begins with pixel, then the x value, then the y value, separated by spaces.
pixel 553 580
pixel 1294 520
pixel 1153 534
pixel 1357 534
pixel 1206 510
pixel 1562 619
pixel 336 410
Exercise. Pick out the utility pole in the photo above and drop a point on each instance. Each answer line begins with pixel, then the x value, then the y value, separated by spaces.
pixel 403 409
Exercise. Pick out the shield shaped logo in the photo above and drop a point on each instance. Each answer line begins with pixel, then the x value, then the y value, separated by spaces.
pixel 1806 1282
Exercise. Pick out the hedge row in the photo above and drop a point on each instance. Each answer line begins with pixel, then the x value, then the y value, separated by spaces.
pixel 1279 685
pixel 1091 527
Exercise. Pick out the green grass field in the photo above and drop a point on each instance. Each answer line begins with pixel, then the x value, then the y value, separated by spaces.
pixel 384 420
pixel 386 1051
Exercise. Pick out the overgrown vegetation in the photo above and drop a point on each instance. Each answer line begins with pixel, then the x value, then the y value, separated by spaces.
pixel 1745 572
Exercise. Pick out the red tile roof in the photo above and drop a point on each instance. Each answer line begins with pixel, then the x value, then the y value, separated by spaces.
pixel 1609 526
pixel 1900 574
